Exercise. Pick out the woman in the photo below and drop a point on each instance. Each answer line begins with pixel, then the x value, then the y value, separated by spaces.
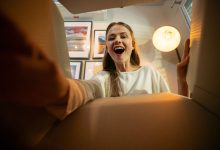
pixel 39 82
pixel 122 65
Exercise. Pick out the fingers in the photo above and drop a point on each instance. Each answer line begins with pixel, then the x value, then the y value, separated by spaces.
pixel 186 49
pixel 184 62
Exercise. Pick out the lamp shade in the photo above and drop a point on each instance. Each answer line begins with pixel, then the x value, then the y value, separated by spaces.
pixel 166 38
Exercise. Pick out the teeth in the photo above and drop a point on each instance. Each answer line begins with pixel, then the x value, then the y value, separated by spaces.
pixel 119 50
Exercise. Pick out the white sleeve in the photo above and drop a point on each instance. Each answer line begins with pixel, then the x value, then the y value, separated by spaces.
pixel 80 92
pixel 163 85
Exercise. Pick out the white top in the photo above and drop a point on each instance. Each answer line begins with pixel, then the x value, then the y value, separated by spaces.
pixel 145 80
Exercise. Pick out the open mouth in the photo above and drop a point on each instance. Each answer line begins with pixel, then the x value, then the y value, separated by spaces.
pixel 119 50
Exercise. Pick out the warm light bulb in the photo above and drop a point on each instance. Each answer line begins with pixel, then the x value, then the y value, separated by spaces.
pixel 166 38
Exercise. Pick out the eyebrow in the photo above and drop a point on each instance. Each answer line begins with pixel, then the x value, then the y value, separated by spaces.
pixel 119 33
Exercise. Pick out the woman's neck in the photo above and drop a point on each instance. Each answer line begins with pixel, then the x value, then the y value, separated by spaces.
pixel 126 67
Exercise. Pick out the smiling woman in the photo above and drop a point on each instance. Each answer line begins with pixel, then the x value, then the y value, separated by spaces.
pixel 122 64
pixel 120 45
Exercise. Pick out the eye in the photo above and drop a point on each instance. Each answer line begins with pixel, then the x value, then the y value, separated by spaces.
pixel 111 37
pixel 124 35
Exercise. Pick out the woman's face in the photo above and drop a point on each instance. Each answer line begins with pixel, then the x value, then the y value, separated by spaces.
pixel 119 44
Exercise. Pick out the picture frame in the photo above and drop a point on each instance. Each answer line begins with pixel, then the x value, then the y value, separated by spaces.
pixel 78 38
pixel 92 68
pixel 76 69
pixel 99 43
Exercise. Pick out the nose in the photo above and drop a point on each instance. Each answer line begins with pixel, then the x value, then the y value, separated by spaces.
pixel 118 39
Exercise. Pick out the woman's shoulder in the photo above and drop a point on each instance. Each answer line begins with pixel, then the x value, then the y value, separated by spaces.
pixel 101 75
pixel 148 67
pixel 139 70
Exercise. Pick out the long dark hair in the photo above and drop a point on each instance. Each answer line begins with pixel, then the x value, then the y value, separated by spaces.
pixel 109 64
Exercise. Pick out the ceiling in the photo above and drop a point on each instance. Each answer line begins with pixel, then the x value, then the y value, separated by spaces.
pixel 82 6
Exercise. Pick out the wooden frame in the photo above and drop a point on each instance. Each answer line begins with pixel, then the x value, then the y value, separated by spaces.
pixel 76 69
pixel 99 43
pixel 78 37
pixel 92 68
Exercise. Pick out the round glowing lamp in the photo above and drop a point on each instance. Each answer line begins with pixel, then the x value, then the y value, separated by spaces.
pixel 166 38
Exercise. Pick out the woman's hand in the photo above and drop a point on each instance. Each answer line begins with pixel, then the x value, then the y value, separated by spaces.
pixel 28 76
pixel 182 67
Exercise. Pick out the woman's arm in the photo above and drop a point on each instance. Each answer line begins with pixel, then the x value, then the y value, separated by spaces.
pixel 29 78
pixel 182 71
pixel 80 92
pixel 27 75
pixel 30 81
